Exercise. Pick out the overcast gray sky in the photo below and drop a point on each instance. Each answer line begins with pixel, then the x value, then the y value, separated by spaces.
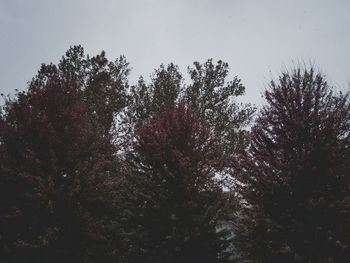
pixel 257 38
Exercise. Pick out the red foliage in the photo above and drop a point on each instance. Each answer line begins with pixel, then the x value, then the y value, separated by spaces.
pixel 295 174
pixel 174 163
pixel 52 169
pixel 180 148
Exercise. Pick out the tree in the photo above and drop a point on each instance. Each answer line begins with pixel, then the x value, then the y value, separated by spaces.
pixel 55 161
pixel 295 176
pixel 121 109
pixel 149 101
pixel 213 99
pixel 103 83
pixel 178 202
pixel 209 95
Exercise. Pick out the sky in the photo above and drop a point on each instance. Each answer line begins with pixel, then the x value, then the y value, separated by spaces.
pixel 258 39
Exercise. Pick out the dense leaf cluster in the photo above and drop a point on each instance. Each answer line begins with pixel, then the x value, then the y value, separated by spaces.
pixel 93 169
pixel 210 95
pixel 53 169
pixel 173 163
pixel 296 174
pixel 103 83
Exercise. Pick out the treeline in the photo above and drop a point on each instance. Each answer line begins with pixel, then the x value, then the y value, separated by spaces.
pixel 94 169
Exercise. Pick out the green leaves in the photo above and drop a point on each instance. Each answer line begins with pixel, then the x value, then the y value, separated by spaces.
pixel 213 98
pixel 59 165
pixel 210 95
pixel 103 83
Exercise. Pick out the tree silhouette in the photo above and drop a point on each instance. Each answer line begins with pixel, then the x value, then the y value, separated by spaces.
pixel 54 166
pixel 180 204
pixel 103 83
pixel 296 174
pixel 210 95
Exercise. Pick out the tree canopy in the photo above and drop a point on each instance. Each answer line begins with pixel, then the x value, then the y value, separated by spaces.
pixel 94 169
pixel 210 95
pixel 295 174
pixel 54 166
pixel 103 83
pixel 179 203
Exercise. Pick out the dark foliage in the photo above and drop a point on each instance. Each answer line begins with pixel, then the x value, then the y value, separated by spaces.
pixel 103 83
pixel 209 95
pixel 61 201
pixel 213 99
pixel 148 101
pixel 296 184
pixel 176 204
pixel 54 165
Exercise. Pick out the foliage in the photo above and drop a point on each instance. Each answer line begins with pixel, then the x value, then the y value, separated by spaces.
pixel 54 165
pixel 213 99
pixel 103 83
pixel 176 202
pixel 295 176
pixel 209 95
pixel 122 109
pixel 147 101
pixel 55 146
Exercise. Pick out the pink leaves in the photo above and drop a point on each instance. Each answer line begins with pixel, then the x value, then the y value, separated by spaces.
pixel 178 146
